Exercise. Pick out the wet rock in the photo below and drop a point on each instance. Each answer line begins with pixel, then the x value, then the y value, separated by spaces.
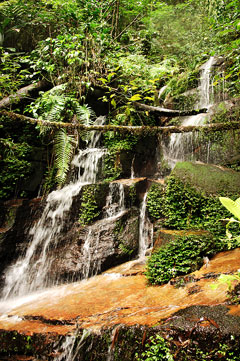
pixel 112 317
pixel 19 215
pixel 142 160
pixel 204 325
pixel 88 250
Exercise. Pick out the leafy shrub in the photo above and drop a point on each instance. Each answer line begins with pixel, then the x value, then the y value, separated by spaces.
pixel 155 201
pixel 182 256
pixel 14 166
pixel 156 350
pixel 184 207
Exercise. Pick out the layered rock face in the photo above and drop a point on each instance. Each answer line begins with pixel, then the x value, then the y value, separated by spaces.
pixel 81 250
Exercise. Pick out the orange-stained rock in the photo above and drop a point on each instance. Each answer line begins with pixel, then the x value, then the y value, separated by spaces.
pixel 120 296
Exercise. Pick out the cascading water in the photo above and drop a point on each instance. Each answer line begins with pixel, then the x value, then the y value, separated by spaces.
pixel 71 346
pixel 180 145
pixel 145 229
pixel 31 271
pixel 115 206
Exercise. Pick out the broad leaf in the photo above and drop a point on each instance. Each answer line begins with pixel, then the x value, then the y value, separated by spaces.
pixel 232 206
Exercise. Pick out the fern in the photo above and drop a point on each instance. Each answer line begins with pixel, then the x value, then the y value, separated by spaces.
pixel 64 146
pixel 85 113
pixel 11 16
pixel 55 106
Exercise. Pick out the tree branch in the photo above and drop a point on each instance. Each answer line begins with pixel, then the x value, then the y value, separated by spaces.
pixel 168 112
pixel 23 92
pixel 126 129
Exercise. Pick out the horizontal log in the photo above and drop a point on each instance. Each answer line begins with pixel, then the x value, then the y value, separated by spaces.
pixel 23 92
pixel 168 112
pixel 127 128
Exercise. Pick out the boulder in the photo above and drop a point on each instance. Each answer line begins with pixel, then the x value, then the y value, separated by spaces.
pixel 207 178
pixel 85 251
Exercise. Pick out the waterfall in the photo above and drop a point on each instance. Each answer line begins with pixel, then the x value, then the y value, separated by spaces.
pixel 115 203
pixel 115 206
pixel 70 347
pixel 180 145
pixel 145 229
pixel 132 168
pixel 31 271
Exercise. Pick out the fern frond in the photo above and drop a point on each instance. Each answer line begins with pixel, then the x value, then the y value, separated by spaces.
pixel 63 149
pixel 85 113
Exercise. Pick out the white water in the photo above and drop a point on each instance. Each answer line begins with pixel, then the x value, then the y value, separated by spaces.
pixel 115 203
pixel 115 207
pixel 181 144
pixel 145 229
pixel 70 347
pixel 31 271
pixel 132 168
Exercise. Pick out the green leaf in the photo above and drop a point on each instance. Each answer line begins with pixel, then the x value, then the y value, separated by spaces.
pixel 232 206
pixel 135 97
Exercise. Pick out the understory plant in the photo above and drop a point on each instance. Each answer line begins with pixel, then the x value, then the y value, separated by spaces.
pixel 182 256
pixel 15 166
pixel 180 206
pixel 60 105
pixel 234 208
pixel 156 349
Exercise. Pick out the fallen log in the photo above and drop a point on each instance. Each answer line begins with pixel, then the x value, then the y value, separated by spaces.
pixel 23 92
pixel 127 128
pixel 168 112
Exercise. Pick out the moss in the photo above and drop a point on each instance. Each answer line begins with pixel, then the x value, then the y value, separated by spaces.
pixel 190 199
pixel 132 194
pixel 207 178
pixel 126 232
pixel 93 198
pixel 13 342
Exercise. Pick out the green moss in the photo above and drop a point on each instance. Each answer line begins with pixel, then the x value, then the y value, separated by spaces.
pixel 112 167
pixel 89 210
pixel 188 201
pixel 132 195
pixel 210 179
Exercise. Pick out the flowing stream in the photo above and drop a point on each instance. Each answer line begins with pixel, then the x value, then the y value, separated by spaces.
pixel 31 271
pixel 182 144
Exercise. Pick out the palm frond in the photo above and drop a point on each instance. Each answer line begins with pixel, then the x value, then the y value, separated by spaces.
pixel 63 150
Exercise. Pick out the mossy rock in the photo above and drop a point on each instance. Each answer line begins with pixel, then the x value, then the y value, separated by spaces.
pixel 209 179
pixel 165 236
pixel 93 199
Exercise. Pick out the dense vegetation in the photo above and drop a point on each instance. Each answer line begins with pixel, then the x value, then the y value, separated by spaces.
pixel 117 53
